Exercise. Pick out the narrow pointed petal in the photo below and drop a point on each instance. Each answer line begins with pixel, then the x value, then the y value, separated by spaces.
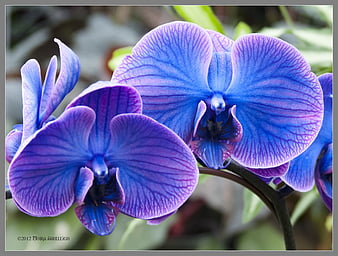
pixel 99 219
pixel 201 109
pixel 157 171
pixel 220 72
pixel 31 93
pixel 68 77
pixel 271 172
pixel 13 141
pixel 83 184
pixel 47 89
pixel 107 100
pixel 300 175
pixel 279 101
pixel 43 174
pixel 323 177
pixel 169 67
pixel 220 42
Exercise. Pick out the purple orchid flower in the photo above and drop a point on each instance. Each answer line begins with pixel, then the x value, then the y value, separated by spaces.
pixel 107 157
pixel 254 99
pixel 40 100
pixel 307 169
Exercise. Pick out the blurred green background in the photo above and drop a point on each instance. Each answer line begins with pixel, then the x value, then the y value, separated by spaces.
pixel 220 215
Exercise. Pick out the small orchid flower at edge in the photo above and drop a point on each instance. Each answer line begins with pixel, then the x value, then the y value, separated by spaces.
pixel 254 99
pixel 107 157
pixel 41 99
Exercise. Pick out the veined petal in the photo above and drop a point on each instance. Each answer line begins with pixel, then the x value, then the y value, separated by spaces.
pixel 220 42
pixel 98 219
pixel 271 172
pixel 300 175
pixel 279 101
pixel 47 90
pixel 157 171
pixel 31 93
pixel 43 173
pixel 220 72
pixel 107 100
pixel 68 77
pixel 159 220
pixel 13 142
pixel 325 133
pixel 169 67
pixel 83 183
pixel 323 176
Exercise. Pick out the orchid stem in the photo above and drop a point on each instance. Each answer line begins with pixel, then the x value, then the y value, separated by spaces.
pixel 272 198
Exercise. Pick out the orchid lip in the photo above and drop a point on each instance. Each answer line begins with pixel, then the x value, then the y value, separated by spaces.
pixel 217 103
pixel 100 169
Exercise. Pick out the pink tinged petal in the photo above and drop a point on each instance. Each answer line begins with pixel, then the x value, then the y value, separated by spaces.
pixel 83 184
pixel 68 77
pixel 279 101
pixel 271 172
pixel 157 170
pixel 169 67
pixel 43 174
pixel 159 220
pixel 300 175
pixel 98 219
pixel 220 42
pixel 31 93
pixel 13 141
pixel 107 100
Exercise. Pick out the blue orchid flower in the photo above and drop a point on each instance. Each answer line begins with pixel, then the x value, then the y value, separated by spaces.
pixel 41 99
pixel 254 99
pixel 106 157
pixel 315 164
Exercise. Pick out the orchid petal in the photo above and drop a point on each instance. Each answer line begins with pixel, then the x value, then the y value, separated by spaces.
pixel 169 67
pixel 68 77
pixel 83 184
pixel 325 133
pixel 52 156
pixel 220 72
pixel 323 176
pixel 31 93
pixel 157 171
pixel 13 141
pixel 201 109
pixel 98 219
pixel 47 89
pixel 107 100
pixel 300 175
pixel 271 172
pixel 156 221
pixel 220 42
pixel 279 101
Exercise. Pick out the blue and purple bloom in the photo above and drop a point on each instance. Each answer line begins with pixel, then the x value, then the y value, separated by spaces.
pixel 40 100
pixel 315 164
pixel 254 99
pixel 103 155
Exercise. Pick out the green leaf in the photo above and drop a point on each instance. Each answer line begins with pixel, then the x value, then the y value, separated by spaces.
pixel 201 15
pixel 241 29
pixel 304 203
pixel 118 55
pixel 252 205
pixel 261 237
